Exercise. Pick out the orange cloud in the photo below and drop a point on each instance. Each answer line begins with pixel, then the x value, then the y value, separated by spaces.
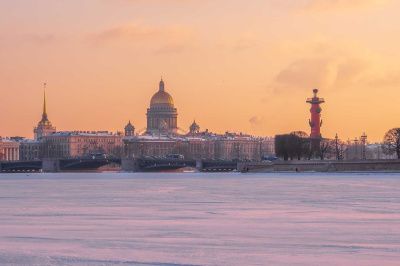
pixel 40 38
pixel 160 40
pixel 257 121
pixel 326 66
pixel 321 72
pixel 391 79
pixel 209 51
pixel 137 32
pixel 343 4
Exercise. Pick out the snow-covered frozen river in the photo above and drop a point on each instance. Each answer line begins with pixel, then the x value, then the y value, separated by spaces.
pixel 199 219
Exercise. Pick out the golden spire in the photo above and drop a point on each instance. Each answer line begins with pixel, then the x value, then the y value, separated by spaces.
pixel 44 115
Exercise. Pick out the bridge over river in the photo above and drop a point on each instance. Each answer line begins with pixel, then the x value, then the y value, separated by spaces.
pixel 151 165
pixel 129 165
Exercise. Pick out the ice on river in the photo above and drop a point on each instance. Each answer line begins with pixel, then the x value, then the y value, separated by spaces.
pixel 199 219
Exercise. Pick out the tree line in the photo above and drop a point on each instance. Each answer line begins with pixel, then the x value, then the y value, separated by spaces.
pixel 298 145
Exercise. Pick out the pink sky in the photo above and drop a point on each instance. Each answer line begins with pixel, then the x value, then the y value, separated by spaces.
pixel 231 65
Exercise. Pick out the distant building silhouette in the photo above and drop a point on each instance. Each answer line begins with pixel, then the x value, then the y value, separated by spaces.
pixel 194 128
pixel 129 130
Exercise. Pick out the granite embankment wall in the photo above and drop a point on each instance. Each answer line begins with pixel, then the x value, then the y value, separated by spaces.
pixel 323 166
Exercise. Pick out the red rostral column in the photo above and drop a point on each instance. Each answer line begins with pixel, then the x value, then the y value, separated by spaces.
pixel 315 121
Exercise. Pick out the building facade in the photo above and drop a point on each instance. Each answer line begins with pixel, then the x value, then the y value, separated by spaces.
pixel 205 145
pixel 162 116
pixel 199 148
pixel 75 144
pixel 356 150
pixel 149 146
pixel 238 147
pixel 29 150
pixel 9 150
pixel 161 139
pixel 268 147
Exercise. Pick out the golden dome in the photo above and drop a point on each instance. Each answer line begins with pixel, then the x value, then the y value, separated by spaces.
pixel 162 98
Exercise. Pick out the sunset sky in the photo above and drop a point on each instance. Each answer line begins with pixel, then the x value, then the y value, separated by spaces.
pixel 230 64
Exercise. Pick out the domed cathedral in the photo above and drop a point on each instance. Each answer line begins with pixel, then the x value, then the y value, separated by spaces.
pixel 162 116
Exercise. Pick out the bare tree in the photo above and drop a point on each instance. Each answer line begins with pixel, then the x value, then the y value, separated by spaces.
pixel 300 144
pixel 326 148
pixel 293 145
pixel 282 146
pixel 391 142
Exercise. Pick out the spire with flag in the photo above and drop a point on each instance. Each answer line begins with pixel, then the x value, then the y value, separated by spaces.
pixel 44 115
pixel 44 127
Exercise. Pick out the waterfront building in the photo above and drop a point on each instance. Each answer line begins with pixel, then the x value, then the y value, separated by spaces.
pixel 203 146
pixel 356 150
pixel 160 139
pixel 237 147
pixel 150 146
pixel 268 147
pixel 44 127
pixel 196 148
pixel 29 150
pixel 75 144
pixel 162 116
pixel 9 150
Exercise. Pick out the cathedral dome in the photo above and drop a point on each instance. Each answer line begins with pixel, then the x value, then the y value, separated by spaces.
pixel 194 128
pixel 162 116
pixel 162 98
pixel 129 126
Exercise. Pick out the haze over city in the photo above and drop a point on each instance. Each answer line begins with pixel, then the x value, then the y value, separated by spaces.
pixel 199 132
pixel 231 65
